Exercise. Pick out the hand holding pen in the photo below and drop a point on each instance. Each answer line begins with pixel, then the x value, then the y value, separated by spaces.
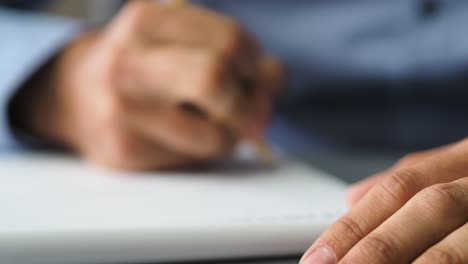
pixel 254 136
pixel 161 86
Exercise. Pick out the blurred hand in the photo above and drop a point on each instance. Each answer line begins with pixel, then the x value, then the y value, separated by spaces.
pixel 416 212
pixel 159 87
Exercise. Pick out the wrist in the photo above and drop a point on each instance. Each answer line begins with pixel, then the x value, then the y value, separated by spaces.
pixel 33 102
pixel 41 107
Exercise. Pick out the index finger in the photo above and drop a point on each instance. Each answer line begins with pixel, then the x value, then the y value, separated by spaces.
pixel 385 199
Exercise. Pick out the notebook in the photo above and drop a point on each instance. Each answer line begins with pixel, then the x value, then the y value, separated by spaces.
pixel 59 209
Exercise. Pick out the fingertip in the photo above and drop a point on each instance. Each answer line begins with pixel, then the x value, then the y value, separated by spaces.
pixel 356 191
pixel 352 196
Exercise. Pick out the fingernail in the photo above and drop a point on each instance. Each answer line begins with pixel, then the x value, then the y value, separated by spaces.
pixel 321 255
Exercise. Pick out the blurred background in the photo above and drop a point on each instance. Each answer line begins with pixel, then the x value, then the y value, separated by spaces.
pixel 90 10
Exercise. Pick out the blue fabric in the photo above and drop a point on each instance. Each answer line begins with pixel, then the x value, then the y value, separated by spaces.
pixel 24 4
pixel 27 42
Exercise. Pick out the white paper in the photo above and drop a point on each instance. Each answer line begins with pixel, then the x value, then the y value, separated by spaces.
pixel 58 209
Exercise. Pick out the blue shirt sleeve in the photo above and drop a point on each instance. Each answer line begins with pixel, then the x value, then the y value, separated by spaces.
pixel 28 41
pixel 364 73
pixel 334 46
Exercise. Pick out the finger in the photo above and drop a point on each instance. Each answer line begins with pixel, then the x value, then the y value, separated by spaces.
pixel 414 158
pixel 272 75
pixel 182 132
pixel 160 24
pixel 176 75
pixel 425 220
pixel 188 24
pixel 358 190
pixel 451 250
pixel 125 150
pixel 389 196
pixel 256 120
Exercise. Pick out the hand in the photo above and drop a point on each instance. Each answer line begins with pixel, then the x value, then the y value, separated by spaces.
pixel 416 212
pixel 159 87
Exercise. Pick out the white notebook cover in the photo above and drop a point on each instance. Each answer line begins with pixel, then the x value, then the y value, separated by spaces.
pixel 57 209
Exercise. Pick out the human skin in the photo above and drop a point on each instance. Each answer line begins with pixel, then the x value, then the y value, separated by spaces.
pixel 161 86
pixel 415 212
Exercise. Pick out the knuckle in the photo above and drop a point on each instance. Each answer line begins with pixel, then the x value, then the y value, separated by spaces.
pixel 399 187
pixel 453 192
pixel 234 37
pixel 351 228
pixel 382 248
pixel 441 256
pixel 372 249
pixel 448 196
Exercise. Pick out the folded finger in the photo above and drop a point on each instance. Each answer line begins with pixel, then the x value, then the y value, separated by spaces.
pixel 176 75
pixel 127 150
pixel 182 132
pixel 187 25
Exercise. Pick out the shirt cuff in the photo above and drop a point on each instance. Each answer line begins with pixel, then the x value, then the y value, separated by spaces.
pixel 28 42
